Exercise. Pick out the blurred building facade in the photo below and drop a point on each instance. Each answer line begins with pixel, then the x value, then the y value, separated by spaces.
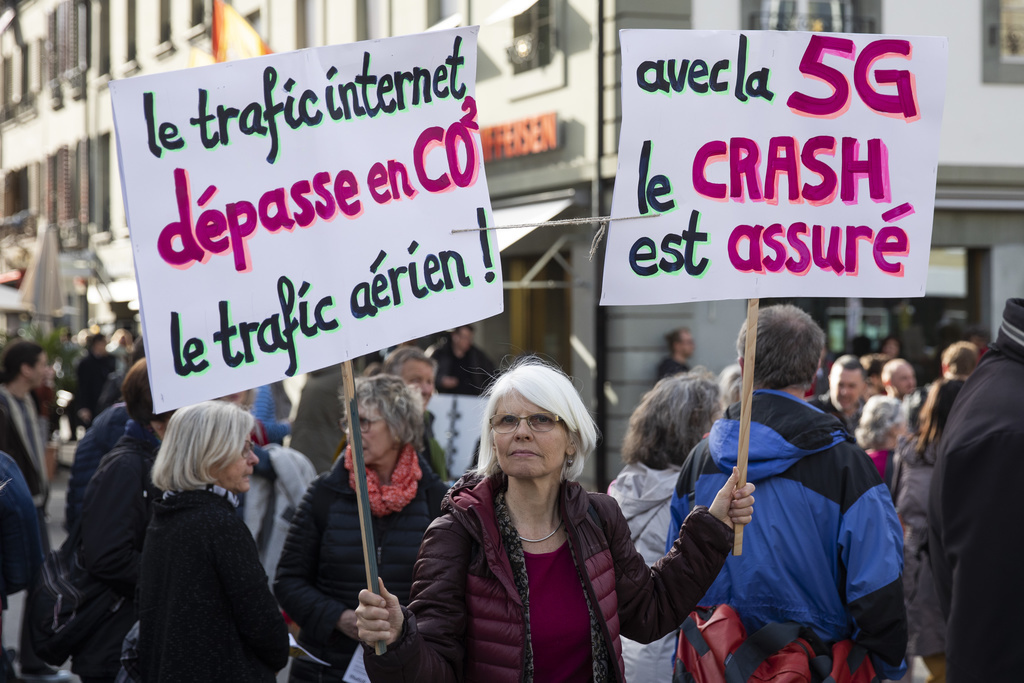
pixel 548 87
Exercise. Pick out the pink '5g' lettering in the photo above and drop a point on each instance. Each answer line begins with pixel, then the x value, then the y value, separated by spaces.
pixel 903 104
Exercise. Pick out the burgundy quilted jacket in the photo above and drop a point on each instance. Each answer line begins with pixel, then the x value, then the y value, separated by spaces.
pixel 465 619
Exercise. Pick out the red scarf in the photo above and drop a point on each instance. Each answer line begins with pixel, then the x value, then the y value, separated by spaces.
pixel 394 496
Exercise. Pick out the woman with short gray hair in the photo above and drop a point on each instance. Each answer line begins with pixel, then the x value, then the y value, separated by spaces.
pixel 881 425
pixel 671 419
pixel 527 576
pixel 321 569
pixel 205 610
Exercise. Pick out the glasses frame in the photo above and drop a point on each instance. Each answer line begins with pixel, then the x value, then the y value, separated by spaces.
pixel 366 423
pixel 555 420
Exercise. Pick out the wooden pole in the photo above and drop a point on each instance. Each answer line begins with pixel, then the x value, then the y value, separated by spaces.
pixel 362 496
pixel 746 398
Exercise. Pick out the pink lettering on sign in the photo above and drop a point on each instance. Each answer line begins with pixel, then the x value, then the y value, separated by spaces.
pixel 756 249
pixel 744 156
pixel 902 105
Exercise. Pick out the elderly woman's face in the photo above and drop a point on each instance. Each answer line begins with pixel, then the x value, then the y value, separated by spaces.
pixel 380 448
pixel 528 453
pixel 234 476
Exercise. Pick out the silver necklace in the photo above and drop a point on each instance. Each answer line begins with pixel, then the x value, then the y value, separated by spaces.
pixel 538 540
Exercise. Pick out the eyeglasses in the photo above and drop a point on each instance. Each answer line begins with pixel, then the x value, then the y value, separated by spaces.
pixel 538 422
pixel 366 423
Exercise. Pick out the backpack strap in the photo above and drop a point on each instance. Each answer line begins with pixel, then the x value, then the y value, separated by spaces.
pixel 768 640
pixel 691 469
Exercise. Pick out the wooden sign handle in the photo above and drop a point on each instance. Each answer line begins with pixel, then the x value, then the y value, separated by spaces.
pixel 746 398
pixel 362 495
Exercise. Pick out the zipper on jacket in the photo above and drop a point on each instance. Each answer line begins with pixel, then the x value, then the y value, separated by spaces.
pixel 589 588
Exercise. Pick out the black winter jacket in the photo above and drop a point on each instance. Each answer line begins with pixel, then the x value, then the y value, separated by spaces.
pixel 115 514
pixel 976 560
pixel 321 569
pixel 101 438
pixel 205 610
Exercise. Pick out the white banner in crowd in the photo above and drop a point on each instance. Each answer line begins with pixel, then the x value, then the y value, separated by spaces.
pixel 774 164
pixel 457 420
pixel 294 211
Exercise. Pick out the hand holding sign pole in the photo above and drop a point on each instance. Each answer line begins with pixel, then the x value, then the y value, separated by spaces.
pixel 753 306
pixel 362 495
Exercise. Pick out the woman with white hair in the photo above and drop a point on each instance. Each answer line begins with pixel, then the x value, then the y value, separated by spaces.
pixel 881 425
pixel 527 576
pixel 205 610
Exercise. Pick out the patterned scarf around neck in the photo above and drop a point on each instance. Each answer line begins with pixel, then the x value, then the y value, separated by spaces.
pixel 599 655
pixel 388 498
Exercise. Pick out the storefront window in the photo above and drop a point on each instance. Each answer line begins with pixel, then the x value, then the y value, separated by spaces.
pixel 1003 41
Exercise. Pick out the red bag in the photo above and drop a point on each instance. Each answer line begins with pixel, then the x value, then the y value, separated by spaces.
pixel 713 647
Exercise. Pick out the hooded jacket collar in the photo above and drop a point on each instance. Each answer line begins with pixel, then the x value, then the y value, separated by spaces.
pixel 640 490
pixel 1010 339
pixel 783 430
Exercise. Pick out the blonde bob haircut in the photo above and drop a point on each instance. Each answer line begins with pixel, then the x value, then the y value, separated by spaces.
pixel 200 439
pixel 552 391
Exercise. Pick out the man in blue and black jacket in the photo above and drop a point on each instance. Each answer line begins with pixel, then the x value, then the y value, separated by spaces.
pixel 825 548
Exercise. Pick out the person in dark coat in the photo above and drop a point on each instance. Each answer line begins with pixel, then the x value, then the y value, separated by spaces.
pixel 915 463
pixel 680 347
pixel 23 367
pixel 418 371
pixel 847 383
pixel 321 569
pixel 21 553
pixel 99 440
pixel 975 556
pixel 115 513
pixel 93 370
pixel 206 613
pixel 462 368
pixel 316 432
pixel 527 576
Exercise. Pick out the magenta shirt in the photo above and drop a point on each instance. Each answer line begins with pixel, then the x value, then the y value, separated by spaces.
pixel 879 458
pixel 559 620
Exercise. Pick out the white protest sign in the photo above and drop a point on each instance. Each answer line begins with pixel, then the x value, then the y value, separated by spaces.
pixel 781 164
pixel 293 211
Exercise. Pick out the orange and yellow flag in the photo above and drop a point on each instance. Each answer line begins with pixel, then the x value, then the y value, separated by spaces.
pixel 233 36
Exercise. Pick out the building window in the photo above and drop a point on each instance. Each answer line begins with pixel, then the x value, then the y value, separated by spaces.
pixel 40 64
pixel 15 192
pixel 375 19
pixel 256 23
pixel 1003 42
pixel 165 21
pixel 101 215
pixel 132 51
pixel 24 89
pixel 198 12
pixel 533 35
pixel 840 16
pixel 51 189
pixel 305 24
pixel 82 182
pixel 439 10
pixel 104 38
pixel 8 76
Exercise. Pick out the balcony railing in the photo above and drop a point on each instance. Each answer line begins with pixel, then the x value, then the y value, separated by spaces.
pixel 792 21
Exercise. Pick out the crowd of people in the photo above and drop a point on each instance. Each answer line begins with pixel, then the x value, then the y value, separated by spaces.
pixel 225 525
